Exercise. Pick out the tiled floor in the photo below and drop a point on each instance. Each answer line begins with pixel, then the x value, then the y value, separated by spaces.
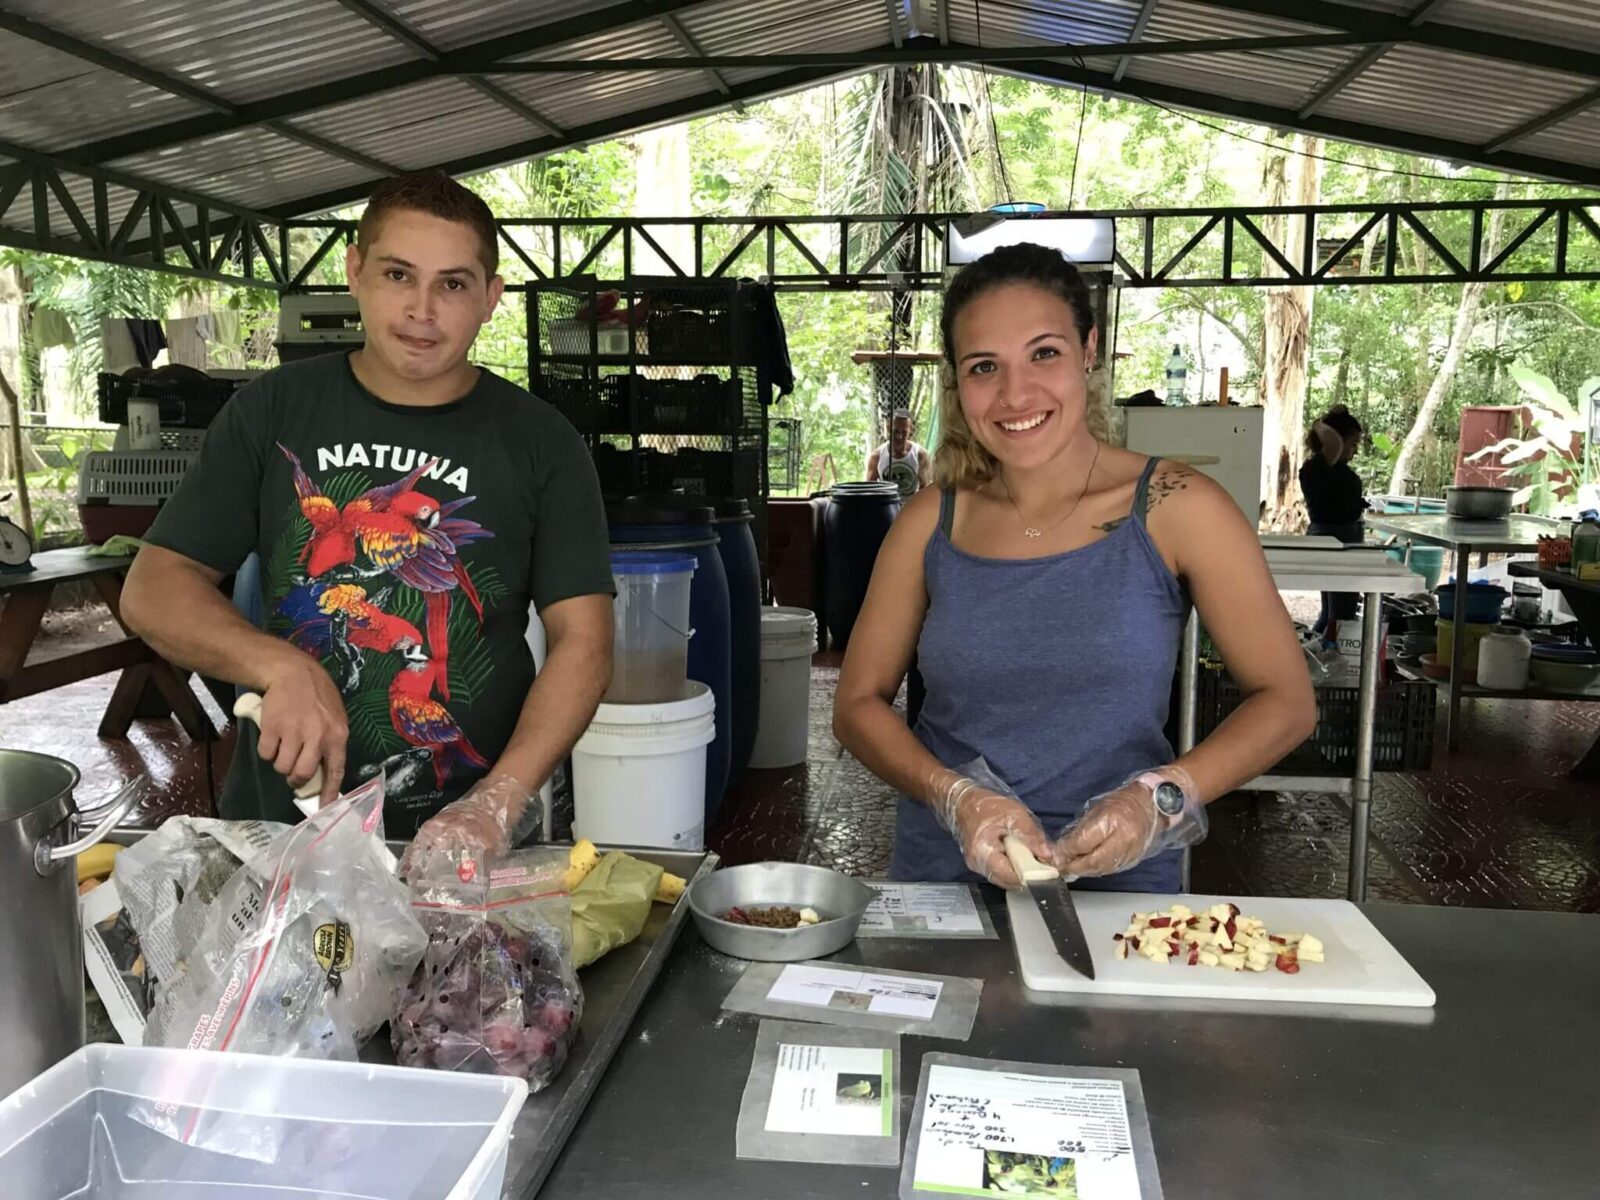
pixel 1497 824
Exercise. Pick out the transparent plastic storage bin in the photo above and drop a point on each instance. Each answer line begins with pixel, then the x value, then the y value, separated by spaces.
pixel 332 1129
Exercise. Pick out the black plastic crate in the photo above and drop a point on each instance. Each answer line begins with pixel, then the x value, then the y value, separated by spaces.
pixel 1402 727
pixel 189 401
pixel 704 472
pixel 701 329
pixel 705 404
pixel 596 405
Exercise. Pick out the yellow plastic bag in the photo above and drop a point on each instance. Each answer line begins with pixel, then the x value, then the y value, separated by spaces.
pixel 610 906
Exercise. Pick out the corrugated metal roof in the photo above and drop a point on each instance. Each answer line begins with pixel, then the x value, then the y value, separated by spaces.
pixel 783 27
pixel 49 99
pixel 421 125
pixel 295 53
pixel 1577 138
pixel 241 49
pixel 448 24
pixel 1081 21
pixel 1574 23
pixel 1447 95
pixel 252 167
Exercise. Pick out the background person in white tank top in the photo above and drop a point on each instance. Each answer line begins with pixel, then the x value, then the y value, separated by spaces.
pixel 900 460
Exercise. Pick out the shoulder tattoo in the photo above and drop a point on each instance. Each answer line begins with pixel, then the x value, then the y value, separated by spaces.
pixel 1112 525
pixel 1165 482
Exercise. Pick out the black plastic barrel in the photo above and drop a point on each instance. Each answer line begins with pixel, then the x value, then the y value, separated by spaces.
pixel 737 545
pixel 856 522
pixel 688 524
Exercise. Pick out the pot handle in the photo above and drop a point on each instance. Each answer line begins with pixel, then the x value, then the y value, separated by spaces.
pixel 47 857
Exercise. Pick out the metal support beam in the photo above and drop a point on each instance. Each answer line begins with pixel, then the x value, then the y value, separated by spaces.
pixel 403 33
pixel 1342 78
pixel 1146 11
pixel 1377 27
pixel 118 64
pixel 891 9
pixel 920 51
pixel 944 21
pixel 1543 121
pixel 862 252
pixel 689 46
pixel 463 60
pixel 29 157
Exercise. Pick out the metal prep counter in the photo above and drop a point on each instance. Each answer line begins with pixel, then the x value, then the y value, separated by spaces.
pixel 1488 1096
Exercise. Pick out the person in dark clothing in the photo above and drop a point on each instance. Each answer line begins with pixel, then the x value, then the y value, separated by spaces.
pixel 1334 502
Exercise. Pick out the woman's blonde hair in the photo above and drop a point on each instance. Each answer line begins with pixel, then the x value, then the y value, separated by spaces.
pixel 960 459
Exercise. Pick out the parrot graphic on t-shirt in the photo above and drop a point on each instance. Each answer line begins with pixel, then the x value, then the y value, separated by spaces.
pixel 423 721
pixel 395 530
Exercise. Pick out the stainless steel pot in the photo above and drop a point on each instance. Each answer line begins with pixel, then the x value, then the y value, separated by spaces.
pixel 1479 503
pixel 41 940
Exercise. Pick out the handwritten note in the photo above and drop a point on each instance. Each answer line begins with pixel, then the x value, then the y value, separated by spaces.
pixel 988 1132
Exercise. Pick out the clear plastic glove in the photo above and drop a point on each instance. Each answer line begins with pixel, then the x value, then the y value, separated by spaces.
pixel 973 805
pixel 1119 829
pixel 479 825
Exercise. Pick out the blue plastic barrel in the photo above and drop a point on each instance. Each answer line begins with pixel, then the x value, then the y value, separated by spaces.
pixel 857 520
pixel 737 545
pixel 688 524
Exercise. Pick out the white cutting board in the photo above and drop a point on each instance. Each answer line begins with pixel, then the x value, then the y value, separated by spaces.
pixel 1361 967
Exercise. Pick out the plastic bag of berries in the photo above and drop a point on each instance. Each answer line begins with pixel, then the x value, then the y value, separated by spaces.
pixel 496 992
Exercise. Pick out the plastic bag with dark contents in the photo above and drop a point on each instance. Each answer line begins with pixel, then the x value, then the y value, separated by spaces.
pixel 497 992
pixel 302 954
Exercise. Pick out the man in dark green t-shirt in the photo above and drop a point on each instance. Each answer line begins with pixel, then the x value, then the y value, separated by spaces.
pixel 407 508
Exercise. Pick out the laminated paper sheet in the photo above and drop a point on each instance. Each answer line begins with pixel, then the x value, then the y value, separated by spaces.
pixel 925 910
pixel 861 997
pixel 983 1128
pixel 822 1094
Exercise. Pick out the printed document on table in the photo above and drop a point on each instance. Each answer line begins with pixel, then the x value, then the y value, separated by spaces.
pixel 857 991
pixel 986 1133
pixel 922 907
pixel 832 1089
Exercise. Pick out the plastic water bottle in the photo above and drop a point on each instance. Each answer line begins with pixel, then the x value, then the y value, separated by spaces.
pixel 1177 376
pixel 1586 545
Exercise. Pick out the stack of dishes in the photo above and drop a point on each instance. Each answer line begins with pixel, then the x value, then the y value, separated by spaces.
pixel 1564 666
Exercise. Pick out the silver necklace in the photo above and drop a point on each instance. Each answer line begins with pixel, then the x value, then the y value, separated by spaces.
pixel 1033 531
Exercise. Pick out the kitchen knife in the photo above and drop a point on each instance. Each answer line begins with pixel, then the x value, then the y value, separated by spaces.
pixel 1054 901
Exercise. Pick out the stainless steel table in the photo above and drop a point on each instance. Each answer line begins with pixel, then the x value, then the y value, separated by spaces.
pixel 1317 565
pixel 1517 534
pixel 1489 1096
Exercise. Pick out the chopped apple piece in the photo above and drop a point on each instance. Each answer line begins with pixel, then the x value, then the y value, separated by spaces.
pixel 1221 936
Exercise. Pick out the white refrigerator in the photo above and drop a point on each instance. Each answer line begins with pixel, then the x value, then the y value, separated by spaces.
pixel 1222 441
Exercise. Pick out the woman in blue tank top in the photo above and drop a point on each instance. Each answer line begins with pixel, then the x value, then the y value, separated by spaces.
pixel 1043 588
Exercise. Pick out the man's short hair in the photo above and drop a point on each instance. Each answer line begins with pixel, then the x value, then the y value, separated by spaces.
pixel 434 193
pixel 900 414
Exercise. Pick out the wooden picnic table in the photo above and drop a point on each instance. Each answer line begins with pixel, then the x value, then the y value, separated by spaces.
pixel 27 597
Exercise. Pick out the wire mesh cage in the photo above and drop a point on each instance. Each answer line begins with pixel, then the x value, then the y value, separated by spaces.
pixel 673 403
pixel 784 446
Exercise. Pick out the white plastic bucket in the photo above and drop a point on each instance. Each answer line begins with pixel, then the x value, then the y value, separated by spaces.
pixel 788 640
pixel 639 773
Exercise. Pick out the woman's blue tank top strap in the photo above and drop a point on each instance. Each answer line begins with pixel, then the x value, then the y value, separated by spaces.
pixel 947 510
pixel 1141 494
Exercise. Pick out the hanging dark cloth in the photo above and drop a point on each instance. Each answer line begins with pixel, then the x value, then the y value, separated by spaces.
pixel 773 369
pixel 148 340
